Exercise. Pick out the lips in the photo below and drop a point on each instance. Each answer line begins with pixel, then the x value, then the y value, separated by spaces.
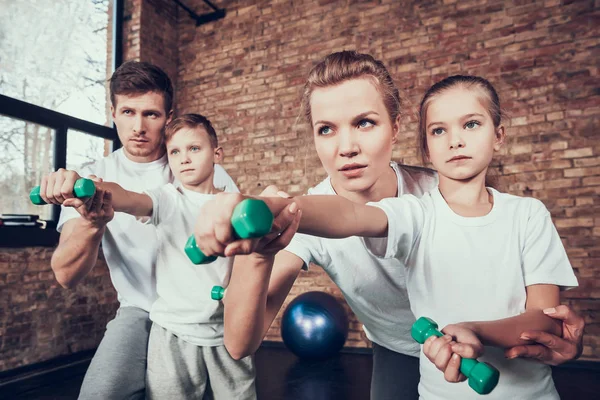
pixel 353 170
pixel 353 166
pixel 458 158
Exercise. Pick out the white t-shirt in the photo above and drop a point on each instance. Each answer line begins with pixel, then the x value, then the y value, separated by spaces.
pixel 476 269
pixel 130 247
pixel 374 288
pixel 184 306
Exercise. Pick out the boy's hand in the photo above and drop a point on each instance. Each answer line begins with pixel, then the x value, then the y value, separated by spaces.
pixel 446 351
pixel 554 350
pixel 56 187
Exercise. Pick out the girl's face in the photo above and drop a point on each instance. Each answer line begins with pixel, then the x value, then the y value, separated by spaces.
pixel 353 134
pixel 461 137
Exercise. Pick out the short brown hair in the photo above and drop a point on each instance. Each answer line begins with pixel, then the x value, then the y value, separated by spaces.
pixel 192 121
pixel 138 77
pixel 342 66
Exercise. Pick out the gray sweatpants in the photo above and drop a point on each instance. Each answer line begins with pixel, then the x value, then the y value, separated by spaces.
pixel 395 376
pixel 180 370
pixel 118 368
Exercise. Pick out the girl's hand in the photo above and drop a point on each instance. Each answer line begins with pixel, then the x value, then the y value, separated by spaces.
pixel 446 351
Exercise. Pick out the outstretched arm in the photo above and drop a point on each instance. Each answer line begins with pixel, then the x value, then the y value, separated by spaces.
pixel 325 216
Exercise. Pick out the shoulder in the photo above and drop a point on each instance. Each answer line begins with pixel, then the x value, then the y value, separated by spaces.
pixel 416 180
pixel 323 187
pixel 524 206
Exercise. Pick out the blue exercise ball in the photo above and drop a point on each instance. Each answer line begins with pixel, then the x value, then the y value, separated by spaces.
pixel 314 325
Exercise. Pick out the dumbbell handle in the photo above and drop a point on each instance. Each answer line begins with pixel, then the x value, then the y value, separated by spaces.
pixel 251 218
pixel 83 188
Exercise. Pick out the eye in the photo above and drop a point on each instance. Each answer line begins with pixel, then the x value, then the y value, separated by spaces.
pixel 437 131
pixel 127 112
pixel 325 130
pixel 472 124
pixel 153 115
pixel 194 148
pixel 365 123
pixel 174 152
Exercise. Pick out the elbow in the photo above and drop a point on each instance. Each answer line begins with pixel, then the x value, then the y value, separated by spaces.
pixel 63 278
pixel 236 351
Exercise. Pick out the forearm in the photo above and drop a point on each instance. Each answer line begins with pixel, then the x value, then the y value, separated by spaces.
pixel 133 203
pixel 246 320
pixel 506 332
pixel 334 216
pixel 76 253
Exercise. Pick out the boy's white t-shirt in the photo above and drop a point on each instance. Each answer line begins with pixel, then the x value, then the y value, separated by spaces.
pixel 475 269
pixel 374 288
pixel 130 247
pixel 184 305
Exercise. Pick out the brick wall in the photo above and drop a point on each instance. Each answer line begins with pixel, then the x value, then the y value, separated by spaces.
pixel 39 320
pixel 246 72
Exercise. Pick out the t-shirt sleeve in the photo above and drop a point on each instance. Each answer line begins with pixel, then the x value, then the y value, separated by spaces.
pixel 405 216
pixel 162 203
pixel 69 213
pixel 309 249
pixel 223 181
pixel 545 260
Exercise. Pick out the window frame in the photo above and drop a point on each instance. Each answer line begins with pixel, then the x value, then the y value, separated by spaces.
pixel 11 236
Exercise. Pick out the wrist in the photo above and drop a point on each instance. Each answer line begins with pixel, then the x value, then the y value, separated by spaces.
pixel 94 228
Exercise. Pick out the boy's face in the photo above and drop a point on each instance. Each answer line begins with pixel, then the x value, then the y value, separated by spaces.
pixel 192 156
pixel 140 121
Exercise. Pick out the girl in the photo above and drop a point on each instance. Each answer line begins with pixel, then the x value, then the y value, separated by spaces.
pixel 353 107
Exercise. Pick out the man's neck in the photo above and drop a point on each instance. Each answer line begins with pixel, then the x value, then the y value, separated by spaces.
pixel 145 159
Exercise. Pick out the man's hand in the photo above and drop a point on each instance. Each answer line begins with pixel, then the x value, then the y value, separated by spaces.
pixel 554 350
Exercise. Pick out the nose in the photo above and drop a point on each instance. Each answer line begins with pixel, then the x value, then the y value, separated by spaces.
pixel 138 125
pixel 456 139
pixel 348 145
pixel 185 158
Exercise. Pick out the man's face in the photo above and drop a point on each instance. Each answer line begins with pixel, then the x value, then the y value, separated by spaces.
pixel 140 121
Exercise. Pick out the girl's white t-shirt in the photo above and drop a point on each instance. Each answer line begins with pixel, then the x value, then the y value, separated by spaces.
pixel 475 269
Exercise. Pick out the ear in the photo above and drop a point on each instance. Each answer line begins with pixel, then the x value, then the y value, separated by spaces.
pixel 218 156
pixel 112 111
pixel 169 117
pixel 396 130
pixel 500 137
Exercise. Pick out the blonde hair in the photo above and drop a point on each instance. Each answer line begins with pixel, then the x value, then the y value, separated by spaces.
pixel 342 66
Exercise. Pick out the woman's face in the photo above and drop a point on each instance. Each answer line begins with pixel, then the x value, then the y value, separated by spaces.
pixel 353 134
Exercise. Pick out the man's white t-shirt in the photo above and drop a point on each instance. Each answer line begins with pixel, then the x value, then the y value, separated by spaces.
pixel 475 269
pixel 374 288
pixel 184 306
pixel 129 246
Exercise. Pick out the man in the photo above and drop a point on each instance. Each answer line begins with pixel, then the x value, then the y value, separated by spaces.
pixel 141 106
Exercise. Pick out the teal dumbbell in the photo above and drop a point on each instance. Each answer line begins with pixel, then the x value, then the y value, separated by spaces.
pixel 482 377
pixel 82 189
pixel 251 218
pixel 217 293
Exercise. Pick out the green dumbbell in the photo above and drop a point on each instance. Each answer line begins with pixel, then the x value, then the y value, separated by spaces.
pixel 251 218
pixel 82 189
pixel 483 377
pixel 217 293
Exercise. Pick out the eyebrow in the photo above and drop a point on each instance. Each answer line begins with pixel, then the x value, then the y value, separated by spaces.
pixel 463 117
pixel 358 117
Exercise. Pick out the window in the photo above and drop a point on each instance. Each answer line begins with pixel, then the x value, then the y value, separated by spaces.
pixel 55 60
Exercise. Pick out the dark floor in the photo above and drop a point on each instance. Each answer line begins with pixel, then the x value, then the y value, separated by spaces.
pixel 282 376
